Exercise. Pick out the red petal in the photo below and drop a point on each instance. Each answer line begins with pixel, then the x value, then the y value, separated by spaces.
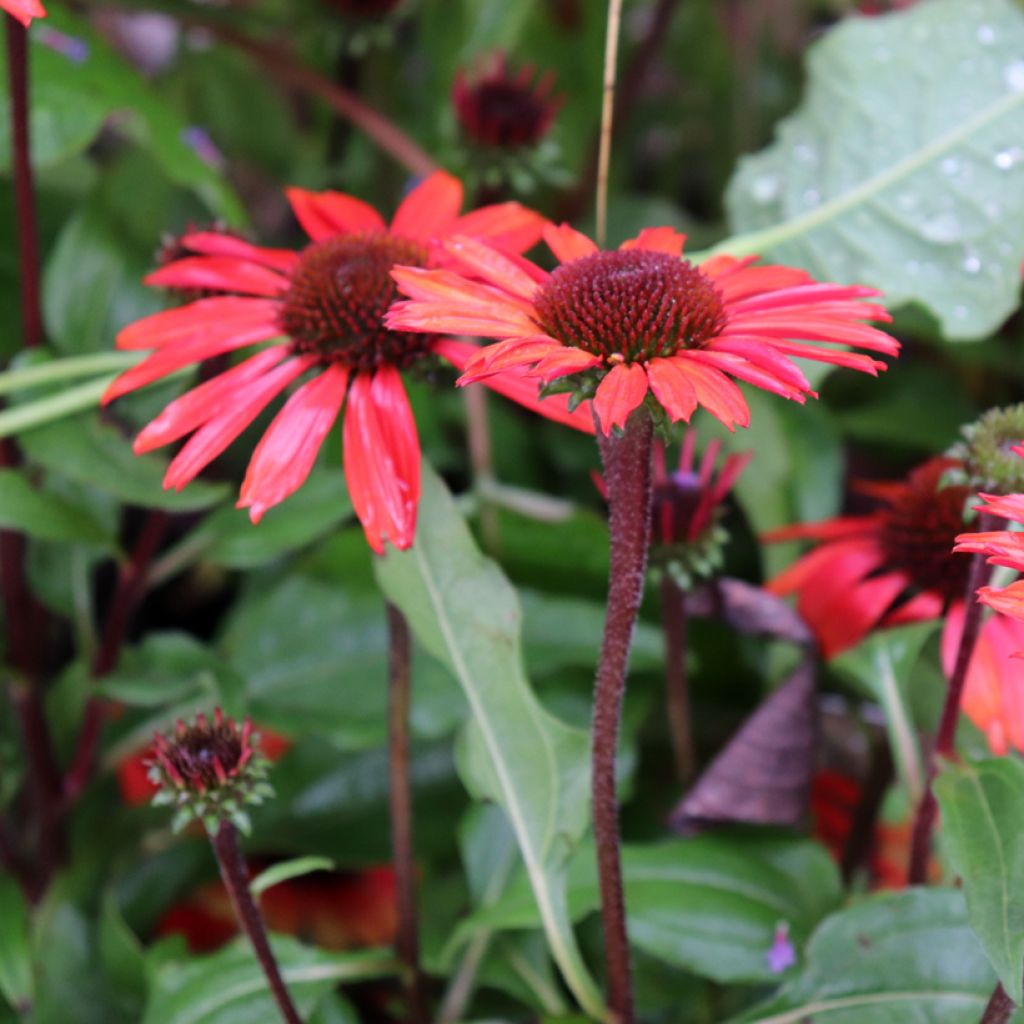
pixel 567 243
pixel 563 362
pixel 323 214
pixel 207 316
pixel 446 286
pixel 621 391
pixel 382 458
pixel 430 209
pixel 742 369
pixel 828 529
pixel 719 395
pixel 210 243
pixel 24 10
pixel 799 295
pixel 493 266
pixel 741 282
pixel 665 239
pixel 509 226
pixel 673 388
pixel 220 273
pixel 286 453
pixel 217 433
pixel 204 402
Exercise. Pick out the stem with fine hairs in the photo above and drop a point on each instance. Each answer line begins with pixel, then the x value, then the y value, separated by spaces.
pixel 236 880
pixel 999 1009
pixel 627 471
pixel 604 152
pixel 927 811
pixel 400 802
pixel 677 694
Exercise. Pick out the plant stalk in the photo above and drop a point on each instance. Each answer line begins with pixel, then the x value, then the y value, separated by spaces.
pixel 674 623
pixel 924 822
pixel 400 801
pixel 627 472
pixel 1000 1007
pixel 236 881
pixel 604 152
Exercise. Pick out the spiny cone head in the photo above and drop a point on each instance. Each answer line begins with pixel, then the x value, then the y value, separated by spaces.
pixel 987 451
pixel 339 293
pixel 631 304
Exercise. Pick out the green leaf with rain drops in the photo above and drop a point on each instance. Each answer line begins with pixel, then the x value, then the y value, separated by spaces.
pixel 903 167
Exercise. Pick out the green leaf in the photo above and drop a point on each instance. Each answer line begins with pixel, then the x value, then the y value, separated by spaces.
pixel 16 982
pixel 983 829
pixel 46 516
pixel 710 904
pixel 888 960
pixel 229 987
pixel 83 450
pixel 880 666
pixel 463 610
pixel 901 168
pixel 294 868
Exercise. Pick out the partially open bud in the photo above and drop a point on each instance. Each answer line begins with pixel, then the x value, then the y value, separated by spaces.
pixel 991 451
pixel 210 771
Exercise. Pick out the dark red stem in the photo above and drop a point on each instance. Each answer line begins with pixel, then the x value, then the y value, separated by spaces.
pixel 24 193
pixel 236 881
pixel 677 695
pixel 131 588
pixel 945 737
pixel 627 473
pixel 399 691
pixel 1000 1008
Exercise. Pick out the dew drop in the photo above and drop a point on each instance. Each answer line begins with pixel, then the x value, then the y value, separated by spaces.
pixel 943 227
pixel 986 35
pixel 971 264
pixel 811 197
pixel 1014 75
pixel 950 165
pixel 961 312
pixel 805 154
pixel 1005 159
pixel 765 188
pixel 907 200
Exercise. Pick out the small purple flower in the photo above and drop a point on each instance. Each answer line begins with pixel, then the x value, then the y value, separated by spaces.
pixel 198 140
pixel 782 954
pixel 76 50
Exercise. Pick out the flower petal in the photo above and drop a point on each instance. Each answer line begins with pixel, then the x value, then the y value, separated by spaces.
pixel 24 10
pixel 664 239
pixel 219 273
pixel 440 286
pixel 206 316
pixel 382 458
pixel 205 401
pixel 286 453
pixel 430 209
pixel 482 260
pixel 673 388
pixel 212 243
pixel 719 395
pixel 323 214
pixel 567 243
pixel 619 393
pixel 219 431
pixel 509 226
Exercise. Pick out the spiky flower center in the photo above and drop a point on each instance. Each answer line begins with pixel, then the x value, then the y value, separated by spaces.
pixel 987 450
pixel 203 755
pixel 919 528
pixel 339 293
pixel 630 304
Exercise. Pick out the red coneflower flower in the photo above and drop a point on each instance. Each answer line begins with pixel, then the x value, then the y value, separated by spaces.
pixel 1001 547
pixel 328 303
pixel 891 567
pixel 24 10
pixel 496 106
pixel 994 690
pixel 640 319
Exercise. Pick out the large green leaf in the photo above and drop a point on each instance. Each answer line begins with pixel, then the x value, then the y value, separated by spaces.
pixel 983 829
pixel 229 987
pixel 902 167
pixel 463 610
pixel 710 904
pixel 16 981
pixel 46 516
pixel 890 959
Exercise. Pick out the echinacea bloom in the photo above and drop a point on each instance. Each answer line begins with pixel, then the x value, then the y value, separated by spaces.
pixel 890 567
pixel 497 106
pixel 993 697
pixel 1001 547
pixel 325 305
pixel 24 10
pixel 642 320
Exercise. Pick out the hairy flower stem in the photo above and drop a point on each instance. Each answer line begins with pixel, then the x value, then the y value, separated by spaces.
pixel 24 192
pixel 677 695
pixel 399 689
pixel 236 881
pixel 1000 1008
pixel 627 472
pixel 924 823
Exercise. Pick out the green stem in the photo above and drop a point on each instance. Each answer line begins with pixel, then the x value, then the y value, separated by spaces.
pixel 56 370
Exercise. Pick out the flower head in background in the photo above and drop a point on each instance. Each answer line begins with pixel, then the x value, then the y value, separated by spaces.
pixel 24 10
pixel 640 321
pixel 209 771
pixel 323 308
pixel 886 568
pixel 1000 547
pixel 503 108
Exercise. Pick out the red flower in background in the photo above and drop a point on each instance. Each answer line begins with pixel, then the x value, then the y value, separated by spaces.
pixel 24 10
pixel 326 304
pixel 642 320
pixel 890 567
pixel 496 106
pixel 1001 547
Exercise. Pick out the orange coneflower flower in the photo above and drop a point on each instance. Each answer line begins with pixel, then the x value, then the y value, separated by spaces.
pixel 325 305
pixel 24 10
pixel 1002 547
pixel 640 320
